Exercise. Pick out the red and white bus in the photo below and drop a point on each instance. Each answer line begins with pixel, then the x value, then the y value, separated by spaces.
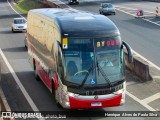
pixel 79 56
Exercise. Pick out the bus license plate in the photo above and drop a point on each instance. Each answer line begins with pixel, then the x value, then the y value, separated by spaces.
pixel 96 104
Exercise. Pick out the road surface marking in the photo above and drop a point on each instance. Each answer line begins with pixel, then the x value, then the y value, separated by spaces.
pixel 140 101
pixel 133 9
pixel 150 18
pixel 149 62
pixel 151 98
pixel 156 77
pixel 124 7
pixel 126 12
pixel 157 21
pixel 14 9
pixel 152 22
pixel 28 98
pixel 136 16
pixel 19 83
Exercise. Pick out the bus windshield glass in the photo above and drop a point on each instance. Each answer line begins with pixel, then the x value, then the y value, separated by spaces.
pixel 91 61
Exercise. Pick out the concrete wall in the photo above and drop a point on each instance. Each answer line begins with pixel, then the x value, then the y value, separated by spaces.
pixel 139 67
pixel 143 68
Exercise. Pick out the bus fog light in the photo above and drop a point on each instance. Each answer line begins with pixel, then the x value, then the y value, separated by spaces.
pixel 122 101
pixel 67 103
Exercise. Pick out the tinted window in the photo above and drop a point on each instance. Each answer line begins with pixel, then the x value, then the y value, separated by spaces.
pixel 19 21
pixel 107 6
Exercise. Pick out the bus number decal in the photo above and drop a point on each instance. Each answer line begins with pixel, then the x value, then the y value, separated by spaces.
pixel 98 44
pixel 108 43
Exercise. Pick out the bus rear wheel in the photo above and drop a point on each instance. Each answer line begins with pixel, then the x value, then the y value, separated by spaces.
pixel 36 72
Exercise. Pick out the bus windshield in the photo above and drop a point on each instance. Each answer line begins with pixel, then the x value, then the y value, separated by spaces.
pixel 91 61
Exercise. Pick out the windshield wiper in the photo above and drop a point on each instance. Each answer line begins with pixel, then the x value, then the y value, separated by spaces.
pixel 103 73
pixel 92 67
pixel 89 70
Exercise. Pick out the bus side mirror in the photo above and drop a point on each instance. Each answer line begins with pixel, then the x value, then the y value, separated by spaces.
pixel 129 50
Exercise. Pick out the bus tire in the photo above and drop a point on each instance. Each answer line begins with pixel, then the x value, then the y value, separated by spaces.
pixel 36 72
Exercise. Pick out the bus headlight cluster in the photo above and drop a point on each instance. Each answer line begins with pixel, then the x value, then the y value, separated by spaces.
pixel 119 91
pixel 64 95
pixel 65 98
pixel 122 101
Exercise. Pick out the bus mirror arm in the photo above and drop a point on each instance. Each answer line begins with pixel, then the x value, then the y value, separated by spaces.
pixel 129 50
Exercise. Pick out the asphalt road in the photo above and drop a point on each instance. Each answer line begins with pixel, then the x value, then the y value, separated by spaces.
pixel 12 46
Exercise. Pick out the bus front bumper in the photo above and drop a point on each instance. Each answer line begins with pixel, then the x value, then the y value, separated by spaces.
pixel 76 103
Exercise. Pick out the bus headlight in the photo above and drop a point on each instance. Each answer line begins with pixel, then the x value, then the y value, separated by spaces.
pixel 122 101
pixel 65 96
pixel 119 91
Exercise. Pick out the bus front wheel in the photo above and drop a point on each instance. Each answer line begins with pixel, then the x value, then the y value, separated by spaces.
pixel 54 96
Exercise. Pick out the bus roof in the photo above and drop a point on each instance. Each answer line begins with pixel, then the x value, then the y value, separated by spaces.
pixel 78 23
